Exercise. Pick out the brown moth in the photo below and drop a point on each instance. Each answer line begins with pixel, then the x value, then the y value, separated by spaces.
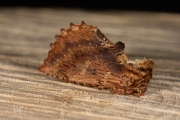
pixel 83 55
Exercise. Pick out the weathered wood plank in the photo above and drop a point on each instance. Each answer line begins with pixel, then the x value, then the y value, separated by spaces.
pixel 26 93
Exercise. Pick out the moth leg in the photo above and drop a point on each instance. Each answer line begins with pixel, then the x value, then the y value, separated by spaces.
pixel 140 91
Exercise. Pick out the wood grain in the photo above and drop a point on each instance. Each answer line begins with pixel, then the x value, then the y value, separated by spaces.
pixel 26 93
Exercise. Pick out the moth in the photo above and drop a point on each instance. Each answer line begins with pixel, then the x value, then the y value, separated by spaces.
pixel 83 55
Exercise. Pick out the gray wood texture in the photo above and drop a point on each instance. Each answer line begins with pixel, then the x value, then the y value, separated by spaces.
pixel 28 94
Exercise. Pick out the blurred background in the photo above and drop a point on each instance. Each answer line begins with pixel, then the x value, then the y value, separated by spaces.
pixel 160 6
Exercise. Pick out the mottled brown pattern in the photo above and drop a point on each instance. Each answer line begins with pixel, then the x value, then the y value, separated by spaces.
pixel 83 55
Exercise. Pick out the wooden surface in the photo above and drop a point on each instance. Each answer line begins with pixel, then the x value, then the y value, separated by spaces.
pixel 26 93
